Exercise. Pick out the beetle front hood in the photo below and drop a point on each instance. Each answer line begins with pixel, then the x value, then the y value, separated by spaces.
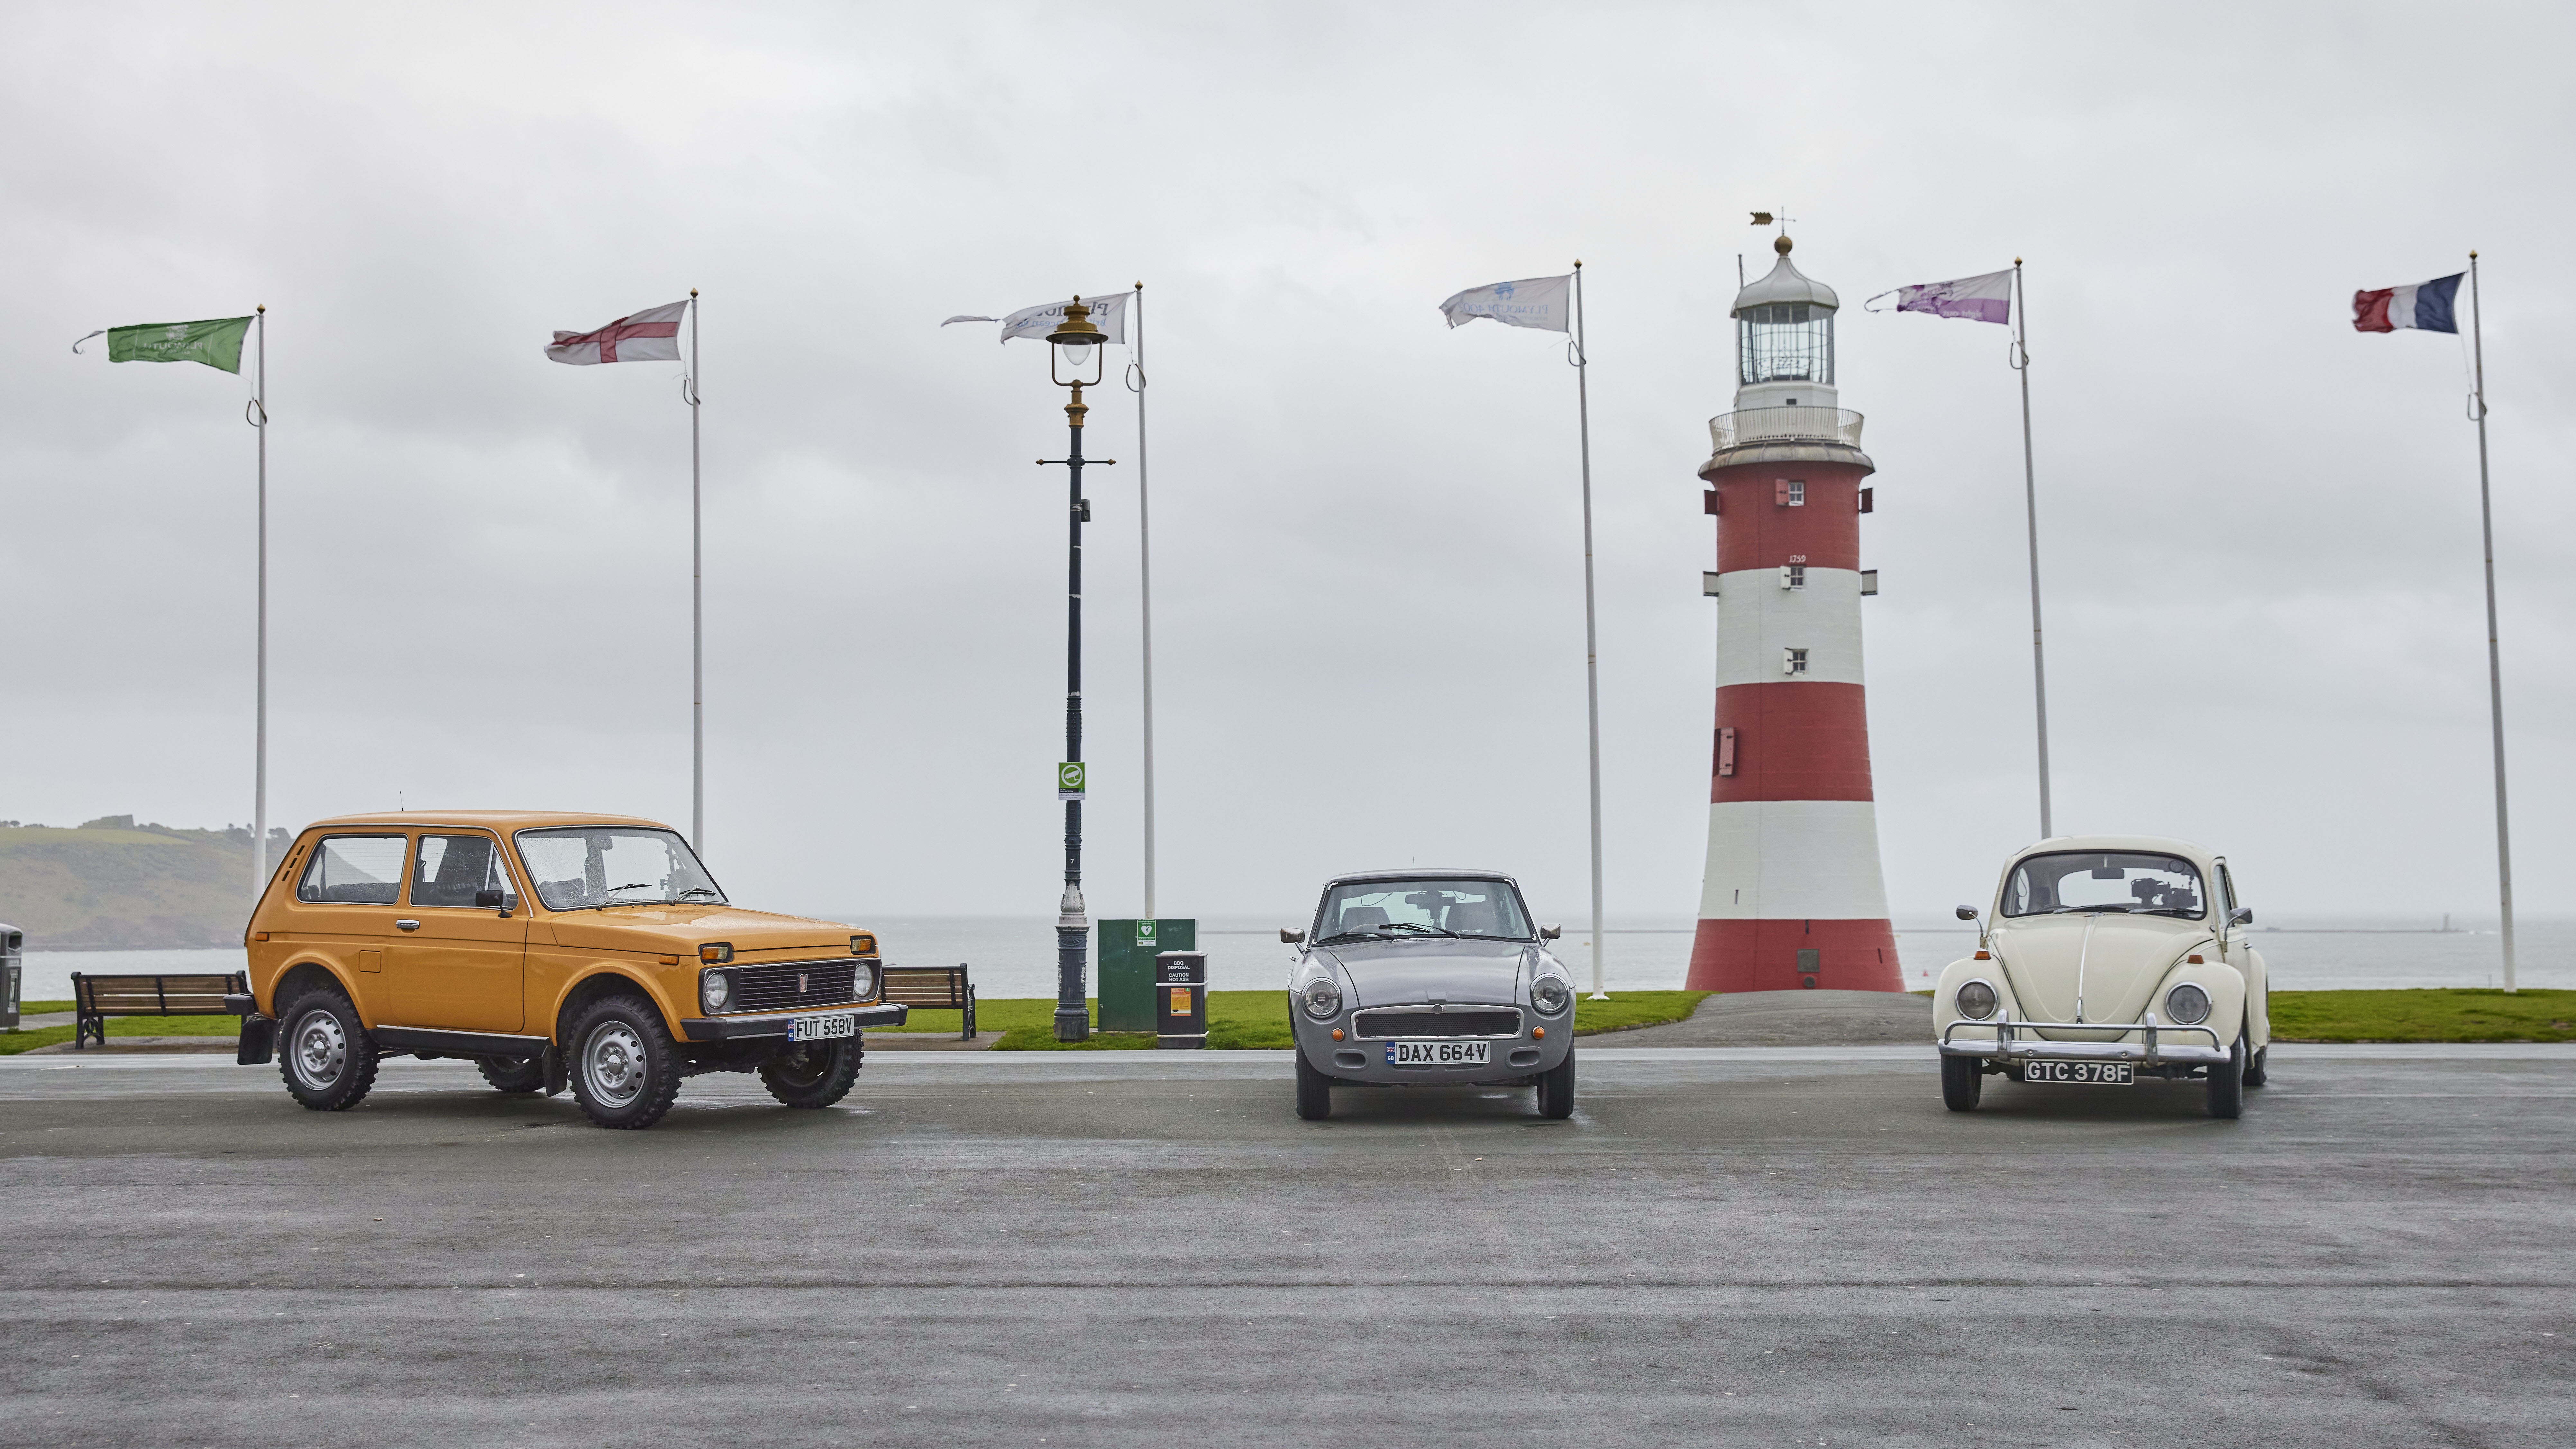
pixel 1405 973
pixel 2119 966
pixel 680 930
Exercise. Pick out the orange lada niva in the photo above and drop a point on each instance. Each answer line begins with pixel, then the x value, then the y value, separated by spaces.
pixel 550 949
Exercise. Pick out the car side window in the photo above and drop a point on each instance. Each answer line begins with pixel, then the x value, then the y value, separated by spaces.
pixel 2227 888
pixel 354 869
pixel 460 870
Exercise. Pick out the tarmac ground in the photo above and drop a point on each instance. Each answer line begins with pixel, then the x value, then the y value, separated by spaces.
pixel 1759 1246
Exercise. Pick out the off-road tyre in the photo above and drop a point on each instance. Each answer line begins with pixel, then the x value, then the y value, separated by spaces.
pixel 2258 1068
pixel 2227 1084
pixel 1314 1090
pixel 813 1074
pixel 1556 1089
pixel 325 1055
pixel 514 1075
pixel 1963 1080
pixel 625 1070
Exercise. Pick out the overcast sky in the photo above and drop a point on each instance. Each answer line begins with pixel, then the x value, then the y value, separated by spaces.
pixel 2259 529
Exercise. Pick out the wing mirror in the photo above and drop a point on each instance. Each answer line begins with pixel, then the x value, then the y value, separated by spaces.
pixel 1550 933
pixel 2241 916
pixel 1293 938
pixel 1967 913
pixel 501 901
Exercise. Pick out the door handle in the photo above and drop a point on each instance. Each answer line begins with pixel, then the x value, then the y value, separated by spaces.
pixel 406 925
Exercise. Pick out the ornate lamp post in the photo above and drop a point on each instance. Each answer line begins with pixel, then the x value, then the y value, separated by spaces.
pixel 1073 347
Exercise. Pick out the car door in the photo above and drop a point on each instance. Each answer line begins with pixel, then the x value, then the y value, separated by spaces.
pixel 462 942
pixel 346 901
pixel 2236 949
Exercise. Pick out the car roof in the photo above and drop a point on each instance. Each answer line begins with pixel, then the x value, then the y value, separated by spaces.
pixel 1424 873
pixel 487 819
pixel 2134 844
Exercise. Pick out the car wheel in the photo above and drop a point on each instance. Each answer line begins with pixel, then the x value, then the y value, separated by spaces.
pixel 812 1074
pixel 2227 1084
pixel 1963 1080
pixel 625 1072
pixel 1314 1090
pixel 2258 1068
pixel 515 1075
pixel 1556 1089
pixel 323 1053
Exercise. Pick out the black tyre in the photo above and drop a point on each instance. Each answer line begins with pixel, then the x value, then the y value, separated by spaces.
pixel 2258 1068
pixel 2227 1084
pixel 625 1071
pixel 1314 1090
pixel 1963 1080
pixel 323 1053
pixel 1556 1089
pixel 812 1074
pixel 515 1075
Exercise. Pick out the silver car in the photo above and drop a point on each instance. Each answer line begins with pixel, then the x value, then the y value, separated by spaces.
pixel 1412 978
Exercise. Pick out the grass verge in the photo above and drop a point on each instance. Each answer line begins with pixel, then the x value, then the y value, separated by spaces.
pixel 1239 1020
pixel 14 1042
pixel 2467 1013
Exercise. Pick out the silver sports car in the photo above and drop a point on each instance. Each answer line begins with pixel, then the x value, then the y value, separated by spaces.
pixel 1413 978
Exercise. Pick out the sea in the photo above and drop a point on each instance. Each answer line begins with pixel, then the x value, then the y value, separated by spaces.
pixel 1015 956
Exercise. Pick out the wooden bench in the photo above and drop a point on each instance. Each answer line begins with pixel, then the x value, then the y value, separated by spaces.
pixel 933 988
pixel 96 998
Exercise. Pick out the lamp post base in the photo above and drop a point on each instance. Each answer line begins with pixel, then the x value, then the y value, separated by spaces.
pixel 1072 1010
pixel 1072 1025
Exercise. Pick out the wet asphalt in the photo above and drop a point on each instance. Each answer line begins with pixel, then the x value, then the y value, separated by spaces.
pixel 1746 1246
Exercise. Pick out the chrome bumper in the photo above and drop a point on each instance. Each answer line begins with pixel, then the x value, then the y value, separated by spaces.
pixel 2152 1051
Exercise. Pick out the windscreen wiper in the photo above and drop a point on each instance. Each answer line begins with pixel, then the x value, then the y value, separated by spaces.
pixel 1418 926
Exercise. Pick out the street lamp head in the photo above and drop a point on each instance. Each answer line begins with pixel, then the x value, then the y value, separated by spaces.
pixel 1076 341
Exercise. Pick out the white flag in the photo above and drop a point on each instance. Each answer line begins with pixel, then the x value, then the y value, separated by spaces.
pixel 1530 302
pixel 1108 313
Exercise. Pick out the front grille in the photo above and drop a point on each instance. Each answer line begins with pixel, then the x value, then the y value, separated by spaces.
pixel 774 988
pixel 1491 1021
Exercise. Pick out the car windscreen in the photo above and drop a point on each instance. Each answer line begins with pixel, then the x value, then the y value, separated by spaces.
pixel 585 866
pixel 1390 909
pixel 2093 880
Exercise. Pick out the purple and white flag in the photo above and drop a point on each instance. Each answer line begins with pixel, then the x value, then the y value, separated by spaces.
pixel 1530 302
pixel 1979 299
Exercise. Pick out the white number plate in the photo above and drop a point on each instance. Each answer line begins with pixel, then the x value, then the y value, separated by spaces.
pixel 2107 1074
pixel 822 1028
pixel 1439 1053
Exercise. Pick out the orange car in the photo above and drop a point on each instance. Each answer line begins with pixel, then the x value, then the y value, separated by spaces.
pixel 548 948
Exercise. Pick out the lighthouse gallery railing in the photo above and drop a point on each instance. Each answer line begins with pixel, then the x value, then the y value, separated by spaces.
pixel 1785 425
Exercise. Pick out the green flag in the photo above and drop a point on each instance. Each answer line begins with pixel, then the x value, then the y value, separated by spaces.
pixel 216 343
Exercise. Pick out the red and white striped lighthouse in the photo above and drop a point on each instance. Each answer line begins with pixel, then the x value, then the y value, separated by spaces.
pixel 1793 897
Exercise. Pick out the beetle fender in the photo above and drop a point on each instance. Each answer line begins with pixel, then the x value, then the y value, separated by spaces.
pixel 2226 988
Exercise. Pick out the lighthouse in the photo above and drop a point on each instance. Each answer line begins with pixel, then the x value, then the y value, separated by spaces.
pixel 1793 897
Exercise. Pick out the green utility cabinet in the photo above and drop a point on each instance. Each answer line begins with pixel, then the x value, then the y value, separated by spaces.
pixel 1127 952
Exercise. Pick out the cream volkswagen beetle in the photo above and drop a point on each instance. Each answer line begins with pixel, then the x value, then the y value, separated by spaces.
pixel 2108 958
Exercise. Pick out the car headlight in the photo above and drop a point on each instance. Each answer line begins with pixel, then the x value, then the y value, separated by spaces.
pixel 863 983
pixel 1323 998
pixel 1977 1000
pixel 1549 995
pixel 2187 1004
pixel 715 988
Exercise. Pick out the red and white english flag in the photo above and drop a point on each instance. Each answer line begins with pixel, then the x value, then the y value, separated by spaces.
pixel 652 335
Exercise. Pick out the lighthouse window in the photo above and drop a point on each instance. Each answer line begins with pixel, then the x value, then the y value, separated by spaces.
pixel 1793 661
pixel 1786 342
pixel 1793 576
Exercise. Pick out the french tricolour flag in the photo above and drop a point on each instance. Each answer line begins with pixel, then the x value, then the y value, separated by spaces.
pixel 2426 307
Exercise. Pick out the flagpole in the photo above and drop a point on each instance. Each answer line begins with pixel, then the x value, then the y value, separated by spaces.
pixel 259 789
pixel 1145 570
pixel 2030 503
pixel 1591 640
pixel 697 613
pixel 2495 659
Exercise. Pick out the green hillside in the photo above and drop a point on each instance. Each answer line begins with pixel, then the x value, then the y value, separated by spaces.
pixel 112 883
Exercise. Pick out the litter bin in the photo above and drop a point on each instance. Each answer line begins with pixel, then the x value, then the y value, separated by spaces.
pixel 13 943
pixel 1127 950
pixel 1181 1000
